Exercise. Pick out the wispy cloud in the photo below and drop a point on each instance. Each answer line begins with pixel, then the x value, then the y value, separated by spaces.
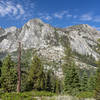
pixel 69 15
pixel 97 19
pixel 90 17
pixel 97 28
pixel 17 9
pixel 65 14
pixel 86 17
pixel 75 16
pixel 20 9
pixel 10 9
pixel 60 15
pixel 45 16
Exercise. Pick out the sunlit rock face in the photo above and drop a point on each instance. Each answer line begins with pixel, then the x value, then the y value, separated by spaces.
pixel 83 39
pixel 50 41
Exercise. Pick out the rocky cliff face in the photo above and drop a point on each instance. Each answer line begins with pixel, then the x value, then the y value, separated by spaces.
pixel 50 41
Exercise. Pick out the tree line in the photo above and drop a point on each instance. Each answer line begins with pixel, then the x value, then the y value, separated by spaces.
pixel 36 78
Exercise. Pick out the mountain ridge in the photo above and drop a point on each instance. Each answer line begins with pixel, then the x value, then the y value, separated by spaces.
pixel 37 34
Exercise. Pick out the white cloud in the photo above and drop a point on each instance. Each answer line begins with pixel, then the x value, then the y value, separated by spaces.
pixel 97 28
pixel 10 9
pixel 97 19
pixel 69 15
pixel 86 17
pixel 48 17
pixel 90 17
pixel 63 14
pixel 75 16
pixel 45 16
pixel 60 15
pixel 20 9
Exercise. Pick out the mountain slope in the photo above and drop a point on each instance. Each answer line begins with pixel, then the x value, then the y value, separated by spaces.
pixel 50 41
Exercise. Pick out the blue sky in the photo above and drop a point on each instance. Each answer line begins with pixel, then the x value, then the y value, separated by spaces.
pixel 58 13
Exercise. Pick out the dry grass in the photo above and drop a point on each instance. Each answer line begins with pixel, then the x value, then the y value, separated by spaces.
pixel 62 98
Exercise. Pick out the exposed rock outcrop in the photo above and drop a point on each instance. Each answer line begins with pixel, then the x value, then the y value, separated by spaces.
pixel 50 41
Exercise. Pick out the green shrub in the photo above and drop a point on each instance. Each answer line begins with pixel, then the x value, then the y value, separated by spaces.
pixel 39 93
pixel 25 95
pixel 1 91
pixel 85 95
pixel 17 96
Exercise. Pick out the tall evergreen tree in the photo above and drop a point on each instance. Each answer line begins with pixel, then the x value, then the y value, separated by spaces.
pixel 0 67
pixel 0 70
pixel 72 83
pixel 8 75
pixel 97 88
pixel 58 86
pixel 36 76
pixel 49 82
pixel 52 83
pixel 84 82
pixel 68 57
pixel 92 82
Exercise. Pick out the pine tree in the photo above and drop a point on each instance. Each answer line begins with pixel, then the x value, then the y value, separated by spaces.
pixel 97 88
pixel 0 67
pixel 36 76
pixel 92 82
pixel 0 70
pixel 52 83
pixel 8 75
pixel 49 82
pixel 68 57
pixel 72 83
pixel 58 86
pixel 84 82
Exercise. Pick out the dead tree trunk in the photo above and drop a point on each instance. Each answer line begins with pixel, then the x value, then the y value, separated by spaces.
pixel 19 69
